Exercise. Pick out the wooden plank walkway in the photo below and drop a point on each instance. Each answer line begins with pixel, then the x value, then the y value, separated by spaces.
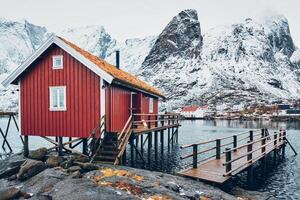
pixel 214 170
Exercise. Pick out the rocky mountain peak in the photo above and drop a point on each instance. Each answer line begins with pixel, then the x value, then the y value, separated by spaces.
pixel 181 37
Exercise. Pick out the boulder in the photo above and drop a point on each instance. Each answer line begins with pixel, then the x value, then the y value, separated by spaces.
pixel 54 161
pixel 38 154
pixel 9 193
pixel 12 168
pixel 74 169
pixel 30 168
pixel 87 166
pixel 76 174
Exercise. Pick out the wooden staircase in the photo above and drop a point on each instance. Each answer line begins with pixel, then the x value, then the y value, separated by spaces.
pixel 112 147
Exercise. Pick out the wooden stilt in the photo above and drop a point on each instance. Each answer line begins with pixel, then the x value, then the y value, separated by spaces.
pixel 172 136
pixel 168 139
pixel 70 139
pixel 155 144
pixel 60 146
pixel 26 147
pixel 149 147
pixel 124 157
pixel 136 144
pixel 142 145
pixel 162 142
pixel 84 146
pixel 131 152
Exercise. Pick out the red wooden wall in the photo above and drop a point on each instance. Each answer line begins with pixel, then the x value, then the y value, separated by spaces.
pixel 118 101
pixel 82 99
pixel 118 107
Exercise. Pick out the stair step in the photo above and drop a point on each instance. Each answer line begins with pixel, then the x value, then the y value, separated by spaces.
pixel 105 152
pixel 105 158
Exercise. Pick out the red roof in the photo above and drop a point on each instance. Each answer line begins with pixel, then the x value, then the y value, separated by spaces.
pixel 115 72
pixel 189 108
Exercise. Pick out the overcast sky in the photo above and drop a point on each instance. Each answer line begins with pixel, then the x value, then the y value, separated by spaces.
pixel 137 18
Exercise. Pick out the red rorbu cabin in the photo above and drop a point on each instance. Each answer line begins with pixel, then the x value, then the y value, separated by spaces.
pixel 65 91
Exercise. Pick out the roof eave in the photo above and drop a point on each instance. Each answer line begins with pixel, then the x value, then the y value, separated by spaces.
pixel 119 82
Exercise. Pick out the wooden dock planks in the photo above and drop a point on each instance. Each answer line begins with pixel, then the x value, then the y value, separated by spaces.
pixel 213 169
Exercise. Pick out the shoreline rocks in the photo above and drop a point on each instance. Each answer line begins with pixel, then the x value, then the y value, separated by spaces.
pixel 83 180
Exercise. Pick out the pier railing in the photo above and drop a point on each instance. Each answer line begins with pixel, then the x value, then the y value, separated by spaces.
pixel 216 145
pixel 154 120
pixel 256 149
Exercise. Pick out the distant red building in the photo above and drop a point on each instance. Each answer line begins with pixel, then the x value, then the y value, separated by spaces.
pixel 65 90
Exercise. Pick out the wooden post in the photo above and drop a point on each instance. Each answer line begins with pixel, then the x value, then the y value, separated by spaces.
pixel 155 144
pixel 149 122
pixel 262 133
pixel 124 157
pixel 168 138
pixel 70 139
pixel 26 147
pixel 250 177
pixel 149 147
pixel 228 159
pixel 131 151
pixel 275 148
pixel 142 145
pixel 60 146
pixel 177 134
pixel 84 146
pixel 162 142
pixel 136 144
pixel 218 148
pixel 234 142
pixel 195 155
pixel 251 136
pixel 156 120
pixel 283 146
pixel 172 136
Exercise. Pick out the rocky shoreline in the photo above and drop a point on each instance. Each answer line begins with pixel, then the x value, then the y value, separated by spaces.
pixel 47 176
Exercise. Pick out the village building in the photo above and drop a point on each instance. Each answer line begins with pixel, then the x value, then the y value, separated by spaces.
pixel 195 112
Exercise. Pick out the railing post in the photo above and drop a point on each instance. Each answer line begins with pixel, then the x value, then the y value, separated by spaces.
pixel 195 155
pixel 228 159
pixel 280 131
pixel 251 136
pixel 262 133
pixel 234 142
pixel 169 119
pixel 263 142
pixel 275 139
pixel 218 148
pixel 156 120
pixel 162 120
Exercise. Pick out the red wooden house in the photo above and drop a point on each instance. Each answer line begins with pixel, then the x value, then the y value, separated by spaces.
pixel 65 90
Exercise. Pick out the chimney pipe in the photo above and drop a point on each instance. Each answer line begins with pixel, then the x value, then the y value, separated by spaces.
pixel 118 59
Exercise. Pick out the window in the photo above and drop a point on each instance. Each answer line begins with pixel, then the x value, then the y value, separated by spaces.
pixel 58 98
pixel 57 62
pixel 151 105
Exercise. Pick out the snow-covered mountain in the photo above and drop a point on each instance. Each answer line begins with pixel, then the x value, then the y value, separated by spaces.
pixel 251 61
pixel 18 40
pixel 94 39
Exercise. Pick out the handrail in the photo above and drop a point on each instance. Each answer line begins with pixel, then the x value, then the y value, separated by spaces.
pixel 125 126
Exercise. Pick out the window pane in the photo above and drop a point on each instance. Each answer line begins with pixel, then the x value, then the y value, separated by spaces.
pixel 54 98
pixel 57 62
pixel 61 97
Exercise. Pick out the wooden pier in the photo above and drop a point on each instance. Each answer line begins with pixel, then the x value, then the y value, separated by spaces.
pixel 233 154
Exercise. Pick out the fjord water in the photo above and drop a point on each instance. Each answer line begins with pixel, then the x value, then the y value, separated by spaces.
pixel 283 181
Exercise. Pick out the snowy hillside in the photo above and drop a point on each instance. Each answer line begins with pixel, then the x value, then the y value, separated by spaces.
pixel 18 40
pixel 249 61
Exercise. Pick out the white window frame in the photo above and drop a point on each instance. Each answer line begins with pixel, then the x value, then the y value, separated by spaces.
pixel 54 58
pixel 64 107
pixel 151 105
